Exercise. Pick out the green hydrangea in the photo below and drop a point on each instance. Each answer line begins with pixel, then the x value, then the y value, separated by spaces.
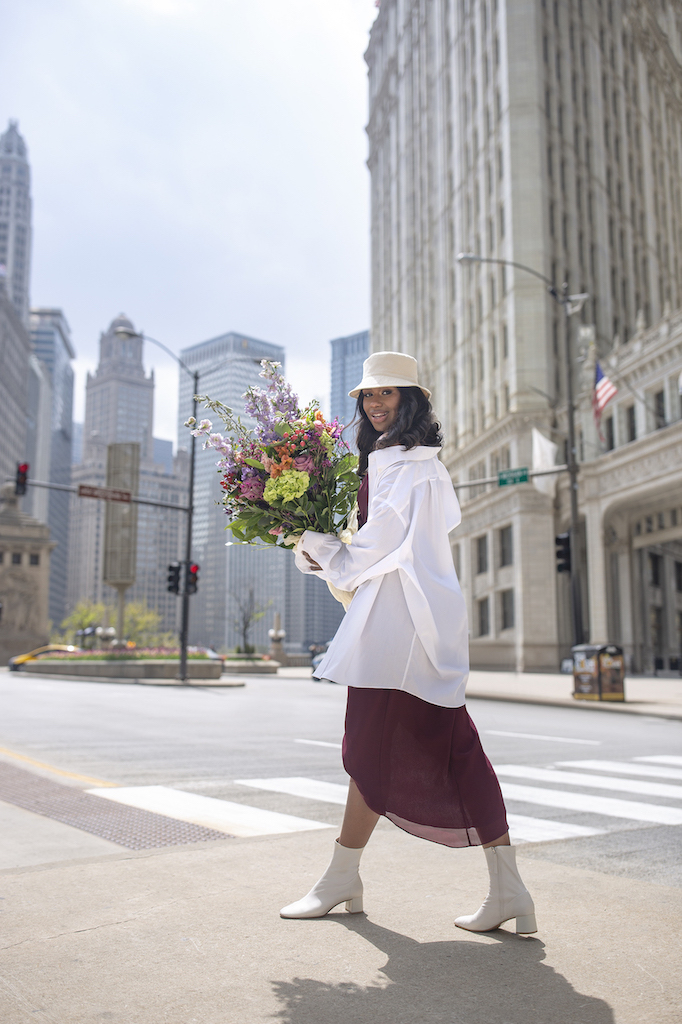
pixel 289 486
pixel 327 441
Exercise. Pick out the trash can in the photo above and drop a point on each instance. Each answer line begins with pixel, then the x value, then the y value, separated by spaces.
pixel 598 672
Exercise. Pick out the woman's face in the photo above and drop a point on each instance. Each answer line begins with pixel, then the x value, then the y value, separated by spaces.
pixel 381 407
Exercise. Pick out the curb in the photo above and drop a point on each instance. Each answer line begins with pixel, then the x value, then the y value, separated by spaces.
pixel 632 708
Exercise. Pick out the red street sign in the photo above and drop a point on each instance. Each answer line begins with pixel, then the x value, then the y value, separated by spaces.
pixel 105 493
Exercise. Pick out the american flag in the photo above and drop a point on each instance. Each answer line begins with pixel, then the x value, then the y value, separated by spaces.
pixel 604 390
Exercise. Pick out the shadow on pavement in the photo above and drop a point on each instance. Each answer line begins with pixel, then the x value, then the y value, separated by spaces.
pixel 457 982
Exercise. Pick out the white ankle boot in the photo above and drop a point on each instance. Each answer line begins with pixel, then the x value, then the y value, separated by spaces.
pixel 507 897
pixel 340 883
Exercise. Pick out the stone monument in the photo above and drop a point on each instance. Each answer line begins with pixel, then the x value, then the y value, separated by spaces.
pixel 25 548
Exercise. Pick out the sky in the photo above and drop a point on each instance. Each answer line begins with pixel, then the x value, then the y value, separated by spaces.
pixel 200 166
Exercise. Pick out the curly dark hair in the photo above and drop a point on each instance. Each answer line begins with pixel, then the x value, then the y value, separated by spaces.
pixel 414 425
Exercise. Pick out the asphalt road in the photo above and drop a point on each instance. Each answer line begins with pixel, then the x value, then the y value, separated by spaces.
pixel 618 814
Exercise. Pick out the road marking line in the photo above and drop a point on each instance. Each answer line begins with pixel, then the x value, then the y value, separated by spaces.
pixel 311 789
pixel 625 768
pixel 661 759
pixel 609 806
pixel 538 830
pixel 320 743
pixel 56 771
pixel 221 815
pixel 538 736
pixel 521 771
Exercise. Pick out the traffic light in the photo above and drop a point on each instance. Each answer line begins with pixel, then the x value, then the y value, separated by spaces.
pixel 192 578
pixel 563 552
pixel 21 478
pixel 174 577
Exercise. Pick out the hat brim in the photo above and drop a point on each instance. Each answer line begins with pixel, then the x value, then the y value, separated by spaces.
pixel 386 382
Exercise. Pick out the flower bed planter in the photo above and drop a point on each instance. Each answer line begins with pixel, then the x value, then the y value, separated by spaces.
pixel 124 669
pixel 232 667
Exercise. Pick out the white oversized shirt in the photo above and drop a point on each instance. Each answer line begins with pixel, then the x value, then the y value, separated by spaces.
pixel 406 628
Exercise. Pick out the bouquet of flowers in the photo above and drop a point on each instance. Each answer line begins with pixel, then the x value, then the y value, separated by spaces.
pixel 292 473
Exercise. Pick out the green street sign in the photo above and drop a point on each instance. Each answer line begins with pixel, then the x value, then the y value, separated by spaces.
pixel 512 476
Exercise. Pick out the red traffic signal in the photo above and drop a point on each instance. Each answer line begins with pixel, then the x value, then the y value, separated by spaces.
pixel 192 578
pixel 21 478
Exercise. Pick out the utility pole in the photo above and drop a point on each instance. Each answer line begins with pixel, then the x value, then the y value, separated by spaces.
pixel 184 627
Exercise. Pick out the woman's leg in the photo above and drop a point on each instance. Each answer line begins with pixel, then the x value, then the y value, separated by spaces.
pixel 358 820
pixel 502 841
pixel 341 881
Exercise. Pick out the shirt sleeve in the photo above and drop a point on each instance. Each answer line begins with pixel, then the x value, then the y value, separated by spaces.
pixel 375 548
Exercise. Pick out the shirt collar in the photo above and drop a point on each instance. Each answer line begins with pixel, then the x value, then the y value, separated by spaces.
pixel 384 457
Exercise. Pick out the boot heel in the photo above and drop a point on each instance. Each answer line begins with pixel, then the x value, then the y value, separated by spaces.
pixel 354 906
pixel 526 924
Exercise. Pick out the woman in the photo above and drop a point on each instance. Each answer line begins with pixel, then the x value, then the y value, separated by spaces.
pixel 410 748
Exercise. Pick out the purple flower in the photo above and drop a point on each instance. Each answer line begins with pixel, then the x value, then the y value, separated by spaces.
pixel 252 488
pixel 304 463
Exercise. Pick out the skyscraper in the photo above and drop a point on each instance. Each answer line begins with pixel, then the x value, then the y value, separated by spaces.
pixel 348 355
pixel 15 354
pixel 119 407
pixel 548 135
pixel 227 364
pixel 51 343
pixel 15 218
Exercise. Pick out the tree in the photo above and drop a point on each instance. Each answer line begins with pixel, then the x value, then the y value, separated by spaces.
pixel 249 611
pixel 86 613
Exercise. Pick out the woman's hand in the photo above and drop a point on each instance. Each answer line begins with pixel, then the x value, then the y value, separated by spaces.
pixel 311 561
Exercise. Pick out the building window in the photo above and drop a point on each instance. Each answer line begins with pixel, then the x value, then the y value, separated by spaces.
pixel 655 570
pixel 482 554
pixel 678 577
pixel 34 559
pixel 506 546
pixel 630 423
pixel 2 557
pixel 484 617
pixel 608 433
pixel 507 609
pixel 659 409
pixel 16 558
pixel 505 340
pixel 457 560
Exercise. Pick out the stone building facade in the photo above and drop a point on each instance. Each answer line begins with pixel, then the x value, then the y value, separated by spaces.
pixel 25 548
pixel 544 134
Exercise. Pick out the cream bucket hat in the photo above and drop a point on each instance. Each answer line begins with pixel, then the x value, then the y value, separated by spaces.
pixel 389 370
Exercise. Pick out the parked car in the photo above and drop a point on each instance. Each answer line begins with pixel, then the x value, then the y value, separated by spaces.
pixel 40 652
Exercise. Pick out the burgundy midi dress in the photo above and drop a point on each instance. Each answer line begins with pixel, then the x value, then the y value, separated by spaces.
pixel 419 764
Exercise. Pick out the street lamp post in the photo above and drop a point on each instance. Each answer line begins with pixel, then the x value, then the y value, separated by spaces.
pixel 184 623
pixel 571 304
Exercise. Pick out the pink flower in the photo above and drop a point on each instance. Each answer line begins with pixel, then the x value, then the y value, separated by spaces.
pixel 252 489
pixel 304 463
pixel 276 530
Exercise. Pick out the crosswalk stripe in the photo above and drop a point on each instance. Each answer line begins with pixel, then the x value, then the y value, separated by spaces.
pixel 221 815
pixel 625 768
pixel 661 759
pixel 524 829
pixel 311 789
pixel 609 806
pixel 521 771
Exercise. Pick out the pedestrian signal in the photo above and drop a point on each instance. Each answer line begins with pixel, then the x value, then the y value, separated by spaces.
pixel 192 578
pixel 563 552
pixel 174 578
pixel 21 478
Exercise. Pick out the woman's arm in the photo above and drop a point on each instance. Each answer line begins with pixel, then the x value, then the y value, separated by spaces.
pixel 374 548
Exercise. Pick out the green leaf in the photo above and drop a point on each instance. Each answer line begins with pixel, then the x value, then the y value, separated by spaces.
pixel 255 463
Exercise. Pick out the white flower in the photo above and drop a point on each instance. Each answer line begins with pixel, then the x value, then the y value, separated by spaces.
pixel 190 422
pixel 205 425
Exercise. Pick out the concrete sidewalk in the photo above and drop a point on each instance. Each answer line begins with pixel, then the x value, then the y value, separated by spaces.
pixel 191 935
